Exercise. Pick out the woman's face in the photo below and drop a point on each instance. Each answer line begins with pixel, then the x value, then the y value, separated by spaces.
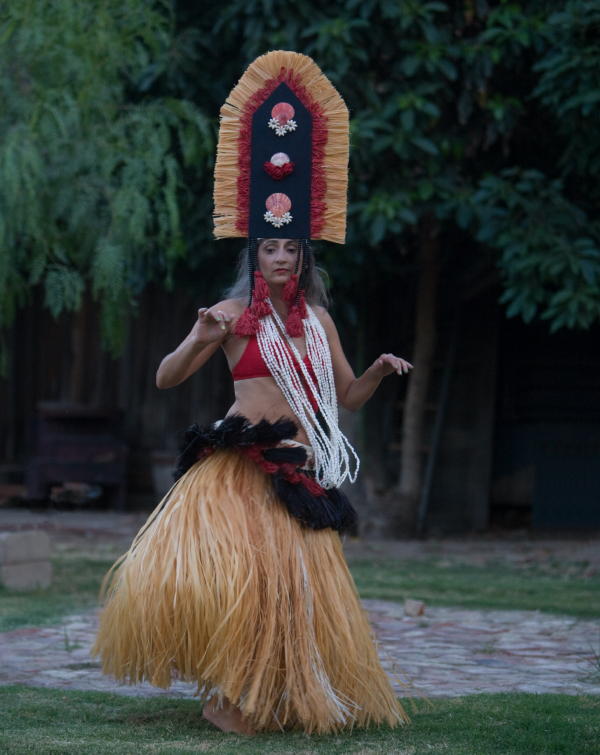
pixel 278 260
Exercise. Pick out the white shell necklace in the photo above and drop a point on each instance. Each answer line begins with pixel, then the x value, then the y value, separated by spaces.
pixel 335 458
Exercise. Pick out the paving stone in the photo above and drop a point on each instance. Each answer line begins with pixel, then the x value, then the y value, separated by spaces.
pixel 28 545
pixel 414 607
pixel 27 575
pixel 24 560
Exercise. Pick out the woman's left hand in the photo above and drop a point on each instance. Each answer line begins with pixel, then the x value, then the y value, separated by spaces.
pixel 388 363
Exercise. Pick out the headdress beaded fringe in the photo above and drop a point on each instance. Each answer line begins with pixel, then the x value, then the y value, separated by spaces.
pixel 223 588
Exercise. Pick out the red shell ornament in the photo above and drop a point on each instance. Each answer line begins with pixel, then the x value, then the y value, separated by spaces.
pixel 278 210
pixel 283 112
pixel 278 204
pixel 282 119
pixel 279 158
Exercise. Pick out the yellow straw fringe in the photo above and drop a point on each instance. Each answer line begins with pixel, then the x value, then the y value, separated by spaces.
pixel 222 587
pixel 335 164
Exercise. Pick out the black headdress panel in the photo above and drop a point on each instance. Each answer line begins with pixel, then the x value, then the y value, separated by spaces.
pixel 281 128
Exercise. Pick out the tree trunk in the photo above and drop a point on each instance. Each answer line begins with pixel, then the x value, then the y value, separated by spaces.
pixel 79 335
pixel 413 417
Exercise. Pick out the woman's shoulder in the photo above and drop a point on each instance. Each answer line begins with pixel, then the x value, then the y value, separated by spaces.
pixel 233 307
pixel 320 310
pixel 322 315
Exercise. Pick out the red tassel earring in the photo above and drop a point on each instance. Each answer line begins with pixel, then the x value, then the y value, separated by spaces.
pixel 248 323
pixel 290 288
pixel 297 311
pixel 260 305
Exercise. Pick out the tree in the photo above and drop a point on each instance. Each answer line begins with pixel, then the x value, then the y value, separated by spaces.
pixel 474 118
pixel 464 116
pixel 91 167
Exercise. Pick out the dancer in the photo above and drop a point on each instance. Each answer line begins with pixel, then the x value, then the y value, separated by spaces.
pixel 237 581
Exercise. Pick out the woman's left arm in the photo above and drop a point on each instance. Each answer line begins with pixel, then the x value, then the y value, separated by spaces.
pixel 353 392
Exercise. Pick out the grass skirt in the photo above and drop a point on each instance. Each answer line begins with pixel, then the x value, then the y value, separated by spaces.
pixel 222 587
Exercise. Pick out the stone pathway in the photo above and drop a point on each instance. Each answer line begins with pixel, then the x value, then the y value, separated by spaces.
pixel 446 652
pixel 452 651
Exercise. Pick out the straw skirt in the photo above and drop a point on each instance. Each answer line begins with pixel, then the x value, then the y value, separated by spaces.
pixel 223 588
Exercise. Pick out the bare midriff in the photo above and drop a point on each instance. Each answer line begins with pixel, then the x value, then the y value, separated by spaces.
pixel 261 398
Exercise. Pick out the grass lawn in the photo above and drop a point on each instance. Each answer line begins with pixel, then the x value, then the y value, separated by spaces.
pixel 37 720
pixel 565 588
pixel 493 585
pixel 75 583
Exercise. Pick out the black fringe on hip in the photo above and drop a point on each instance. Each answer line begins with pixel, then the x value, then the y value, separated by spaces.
pixel 329 508
pixel 332 509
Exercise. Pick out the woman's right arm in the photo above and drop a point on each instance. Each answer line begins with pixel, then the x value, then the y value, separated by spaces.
pixel 208 333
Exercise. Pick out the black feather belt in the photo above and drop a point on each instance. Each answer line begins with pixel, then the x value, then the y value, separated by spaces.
pixel 316 507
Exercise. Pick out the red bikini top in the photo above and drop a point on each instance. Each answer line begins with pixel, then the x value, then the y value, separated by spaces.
pixel 252 365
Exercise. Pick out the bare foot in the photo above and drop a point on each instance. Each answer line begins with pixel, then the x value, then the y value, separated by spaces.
pixel 227 718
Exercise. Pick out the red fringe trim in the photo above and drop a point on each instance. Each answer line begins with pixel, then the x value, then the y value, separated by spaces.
pixel 311 485
pixel 247 325
pixel 261 288
pixel 302 304
pixel 293 324
pixel 289 471
pixel 319 140
pixel 278 172
pixel 261 308
pixel 289 290
pixel 297 313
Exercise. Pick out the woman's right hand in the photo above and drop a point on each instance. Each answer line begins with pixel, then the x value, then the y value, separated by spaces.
pixel 212 325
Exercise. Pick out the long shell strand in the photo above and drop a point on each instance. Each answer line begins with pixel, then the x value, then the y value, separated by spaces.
pixel 335 458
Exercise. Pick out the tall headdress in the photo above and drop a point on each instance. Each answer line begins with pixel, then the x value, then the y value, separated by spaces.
pixel 282 157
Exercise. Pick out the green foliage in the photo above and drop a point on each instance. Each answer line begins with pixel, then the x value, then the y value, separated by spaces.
pixel 569 84
pixel 477 112
pixel 91 169
pixel 483 113
pixel 549 248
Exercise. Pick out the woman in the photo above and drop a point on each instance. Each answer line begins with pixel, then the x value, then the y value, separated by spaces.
pixel 238 581
pixel 222 544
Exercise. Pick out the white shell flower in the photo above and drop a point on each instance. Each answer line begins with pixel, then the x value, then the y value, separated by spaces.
pixel 282 128
pixel 278 220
